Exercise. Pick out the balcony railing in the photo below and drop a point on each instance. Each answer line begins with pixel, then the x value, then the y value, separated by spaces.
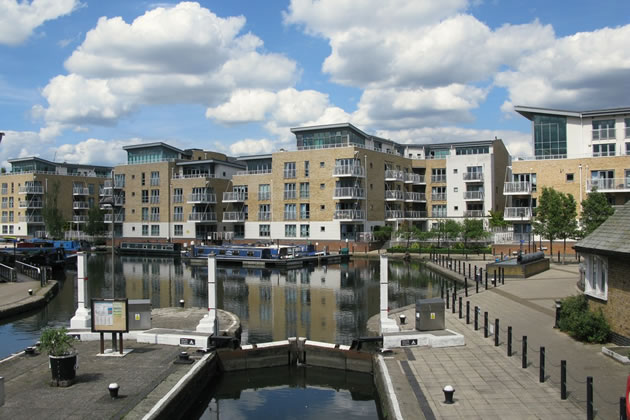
pixel 415 215
pixel 118 219
pixel 31 204
pixel 264 215
pixel 207 216
pixel 117 184
pixel 393 175
pixel 254 172
pixel 412 178
pixel 609 184
pixel 80 191
pixel 202 198
pixel 305 215
pixel 80 205
pixel 438 197
pixel 349 215
pixel 414 196
pixel 289 173
pixel 290 215
pixel 264 195
pixel 604 133
pixel 517 213
pixel 31 219
pixel 438 213
pixel 473 195
pixel 290 195
pixel 394 195
pixel 517 188
pixel 31 189
pixel 234 196
pixel 234 216
pixel 438 178
pixel 473 176
pixel 348 193
pixel 305 194
pixel 394 214
pixel 79 219
pixel 349 170
pixel 473 213
pixel 203 175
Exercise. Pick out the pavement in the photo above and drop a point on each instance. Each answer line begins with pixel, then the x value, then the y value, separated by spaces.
pixel 15 299
pixel 488 383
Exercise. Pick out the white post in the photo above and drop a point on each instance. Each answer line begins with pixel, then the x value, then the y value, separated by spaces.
pixel 82 317
pixel 209 323
pixel 386 324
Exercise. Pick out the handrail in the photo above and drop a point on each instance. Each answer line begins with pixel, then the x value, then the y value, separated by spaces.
pixel 8 273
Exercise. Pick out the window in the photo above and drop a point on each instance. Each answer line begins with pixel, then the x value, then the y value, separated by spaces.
pixel 322 228
pixel 322 186
pixel 145 196
pixel 455 170
pixel 627 148
pixel 142 179
pixel 569 177
pixel 304 231
pixel 455 189
pixel 596 281
pixel 178 214
pixel 5 187
pixel 264 230
pixel 322 164
pixel 290 212
pixel 264 193
pixel 438 210
pixel 322 207
pixel 550 136
pixel 290 231
pixel 304 190
pixel 145 214
pixel 91 189
pixel 603 129
pixel 155 178
pixel 456 208
pixel 178 195
pixel 307 169
pixel 155 230
pixel 289 191
pixel 438 175
pixel 155 214
pixel 10 216
pixel 264 212
pixel 155 196
pixel 178 230
pixel 145 230
pixel 305 211
pixel 606 149
pixel 289 169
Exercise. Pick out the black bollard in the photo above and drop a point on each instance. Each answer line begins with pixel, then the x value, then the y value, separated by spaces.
pixel 524 353
pixel 486 333
pixel 541 377
pixel 476 286
pixel 468 269
pixel 558 257
pixel 486 281
pixel 563 379
pixel 509 343
pixel 466 286
pixel 467 312
pixel 454 288
pixel 589 398
pixel 460 308
pixel 459 266
pixel 622 408
pixel 503 276
pixel 496 332
pixel 476 318
pixel 442 290
pixel 495 278
pixel 453 303
pixel 447 299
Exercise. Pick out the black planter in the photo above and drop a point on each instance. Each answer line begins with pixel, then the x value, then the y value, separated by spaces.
pixel 63 369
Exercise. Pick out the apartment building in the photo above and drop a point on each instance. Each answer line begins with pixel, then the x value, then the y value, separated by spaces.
pixel 342 184
pixel 574 152
pixel 163 192
pixel 24 188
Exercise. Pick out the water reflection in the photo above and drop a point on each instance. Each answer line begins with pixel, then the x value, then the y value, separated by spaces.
pixel 324 303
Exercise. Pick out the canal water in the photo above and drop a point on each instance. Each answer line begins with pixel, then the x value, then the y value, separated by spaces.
pixel 324 303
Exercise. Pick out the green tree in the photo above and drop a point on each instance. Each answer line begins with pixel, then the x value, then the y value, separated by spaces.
pixel 595 211
pixel 546 221
pixel 496 219
pixel 384 233
pixel 52 215
pixel 407 232
pixel 566 220
pixel 452 229
pixel 95 225
pixel 472 229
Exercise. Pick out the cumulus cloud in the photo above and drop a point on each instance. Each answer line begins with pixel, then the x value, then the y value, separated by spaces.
pixel 251 147
pixel 169 55
pixel 18 19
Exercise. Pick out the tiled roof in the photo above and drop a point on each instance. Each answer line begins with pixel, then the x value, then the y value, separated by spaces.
pixel 612 237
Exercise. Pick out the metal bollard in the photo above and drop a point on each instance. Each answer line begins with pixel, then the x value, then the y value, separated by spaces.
pixel 467 312
pixel 486 333
pixel 453 303
pixel 563 379
pixel 494 281
pixel 509 343
pixel 1 391
pixel 476 318
pixel 589 398
pixel 442 290
pixel 454 288
pixel 486 281
pixel 466 286
pixel 476 286
pixel 524 353
pixel 496 332
pixel 468 269
pixel 503 276
pixel 459 266
pixel 622 409
pixel 460 308
pixel 448 300
pixel 541 377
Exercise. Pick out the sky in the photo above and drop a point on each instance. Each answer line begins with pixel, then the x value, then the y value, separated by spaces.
pixel 81 79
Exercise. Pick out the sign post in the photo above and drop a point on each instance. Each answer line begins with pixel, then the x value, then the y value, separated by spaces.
pixel 110 315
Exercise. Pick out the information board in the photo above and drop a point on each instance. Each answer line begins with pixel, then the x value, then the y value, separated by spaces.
pixel 109 315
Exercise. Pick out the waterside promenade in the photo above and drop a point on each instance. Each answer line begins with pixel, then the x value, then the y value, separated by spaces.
pixel 15 297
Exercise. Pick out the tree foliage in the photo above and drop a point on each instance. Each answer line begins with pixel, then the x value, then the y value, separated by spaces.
pixel 95 225
pixel 497 220
pixel 556 216
pixel 566 220
pixel 384 233
pixel 595 211
pixel 472 229
pixel 52 215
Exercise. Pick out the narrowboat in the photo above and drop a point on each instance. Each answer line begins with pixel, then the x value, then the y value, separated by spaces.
pixel 150 248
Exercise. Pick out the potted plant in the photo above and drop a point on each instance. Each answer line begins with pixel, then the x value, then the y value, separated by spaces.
pixel 61 354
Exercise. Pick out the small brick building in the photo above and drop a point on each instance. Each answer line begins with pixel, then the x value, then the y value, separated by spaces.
pixel 606 254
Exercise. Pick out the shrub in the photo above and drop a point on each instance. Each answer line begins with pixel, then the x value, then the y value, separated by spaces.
pixel 57 342
pixel 581 323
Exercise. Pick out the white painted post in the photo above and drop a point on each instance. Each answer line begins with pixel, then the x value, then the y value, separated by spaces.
pixel 386 324
pixel 209 323
pixel 82 317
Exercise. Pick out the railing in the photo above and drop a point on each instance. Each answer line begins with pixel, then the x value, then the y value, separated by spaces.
pixel 517 213
pixel 178 217
pixel 347 144
pixel 117 184
pixel 473 213
pixel 394 195
pixel 394 214
pixel 517 188
pixel 254 172
pixel 438 178
pixel 202 198
pixel 265 195
pixel 349 215
pixel 78 205
pixel 79 219
pixel 349 170
pixel 393 175
pixel 349 192
pixel 155 182
pixel 608 184
pixel 264 215
pixel 31 219
pixel 31 204
pixel 31 189
pixel 473 195
pixel 414 196
pixel 234 196
pixel 118 219
pixel 36 273
pixel 438 197
pixel 80 191
pixel 604 133
pixel 289 195
pixel 234 216
pixel 438 214
pixel 193 176
pixel 290 215
pixel 203 216
pixel 415 215
pixel 289 173
pixel 8 273
pixel 473 176
pixel 178 199
pixel 414 178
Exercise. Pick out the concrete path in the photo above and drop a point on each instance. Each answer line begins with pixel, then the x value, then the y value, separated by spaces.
pixel 14 296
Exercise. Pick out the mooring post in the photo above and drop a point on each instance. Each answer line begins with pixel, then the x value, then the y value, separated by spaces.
pixel 589 398
pixel 563 379
pixel 485 325
pixel 495 278
pixel 448 299
pixel 208 323
pixel 82 318
pixel 467 312
pixel 476 318
pixel 541 377
pixel 496 332
pixel 486 281
pixel 476 286
pixel 1 391
pixel 509 342
pixel 466 286
pixel 524 353
pixel 453 303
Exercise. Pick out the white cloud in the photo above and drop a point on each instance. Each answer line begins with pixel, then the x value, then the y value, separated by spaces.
pixel 95 151
pixel 251 147
pixel 16 144
pixel 18 19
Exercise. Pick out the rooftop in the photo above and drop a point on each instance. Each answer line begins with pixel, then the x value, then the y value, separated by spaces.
pixel 612 237
pixel 529 112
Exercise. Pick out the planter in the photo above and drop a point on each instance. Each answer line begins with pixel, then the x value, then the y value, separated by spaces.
pixel 63 369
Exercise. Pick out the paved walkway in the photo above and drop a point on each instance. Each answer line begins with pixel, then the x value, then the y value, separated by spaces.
pixel 14 296
pixel 491 385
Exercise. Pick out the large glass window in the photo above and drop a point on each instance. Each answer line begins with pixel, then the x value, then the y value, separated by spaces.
pixel 304 190
pixel 290 231
pixel 289 169
pixel 264 193
pixel 179 230
pixel 606 149
pixel 290 212
pixel 289 191
pixel 304 231
pixel 603 129
pixel 305 211
pixel 550 137
pixel 155 230
pixel 328 138
pixel 264 230
pixel 627 122
pixel 596 282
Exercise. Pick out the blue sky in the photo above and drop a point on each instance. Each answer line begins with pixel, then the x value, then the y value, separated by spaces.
pixel 78 80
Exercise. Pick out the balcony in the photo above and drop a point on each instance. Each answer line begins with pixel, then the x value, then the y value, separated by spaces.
pixel 31 219
pixel 416 179
pixel 394 195
pixel 438 197
pixel 609 184
pixel 349 171
pixel 264 215
pixel 254 172
pixel 392 175
pixel 234 216
pixel 234 197
pixel 155 182
pixel 473 195
pixel 80 205
pixel 118 219
pixel 414 197
pixel 348 193
pixel 31 189
pixel 473 213
pixel 438 214
pixel 517 213
pixel 473 176
pixel 31 204
pixel 117 184
pixel 79 219
pixel 438 179
pixel 290 195
pixel 416 215
pixel 394 214
pixel 517 188
pixel 607 133
pixel 290 215
pixel 202 198
pixel 349 215
pixel 80 191
pixel 207 216
pixel 264 196
pixel 289 173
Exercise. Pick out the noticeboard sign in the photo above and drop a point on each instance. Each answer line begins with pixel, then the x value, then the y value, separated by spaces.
pixel 109 315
